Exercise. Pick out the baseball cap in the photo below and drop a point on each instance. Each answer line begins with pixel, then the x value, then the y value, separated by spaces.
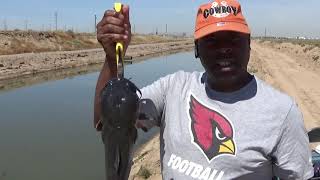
pixel 220 15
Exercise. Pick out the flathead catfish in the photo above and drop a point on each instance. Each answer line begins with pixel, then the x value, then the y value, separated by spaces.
pixel 119 103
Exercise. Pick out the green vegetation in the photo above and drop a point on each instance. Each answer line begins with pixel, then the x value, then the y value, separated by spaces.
pixel 253 70
pixel 142 155
pixel 144 172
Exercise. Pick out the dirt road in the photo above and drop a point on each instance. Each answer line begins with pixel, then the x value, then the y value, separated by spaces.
pixel 295 75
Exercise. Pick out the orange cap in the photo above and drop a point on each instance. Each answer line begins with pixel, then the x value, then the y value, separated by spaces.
pixel 220 15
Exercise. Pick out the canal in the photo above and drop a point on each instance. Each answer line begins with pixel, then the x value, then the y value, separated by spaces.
pixel 46 129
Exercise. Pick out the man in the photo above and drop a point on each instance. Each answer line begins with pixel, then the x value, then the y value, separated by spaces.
pixel 224 123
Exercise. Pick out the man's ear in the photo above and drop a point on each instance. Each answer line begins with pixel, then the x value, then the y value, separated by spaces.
pixel 196 50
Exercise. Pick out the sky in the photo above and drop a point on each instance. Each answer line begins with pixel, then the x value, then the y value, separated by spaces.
pixel 286 18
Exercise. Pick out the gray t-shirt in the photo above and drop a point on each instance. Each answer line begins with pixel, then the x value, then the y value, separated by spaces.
pixel 209 135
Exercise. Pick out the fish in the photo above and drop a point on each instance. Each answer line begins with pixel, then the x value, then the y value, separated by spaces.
pixel 119 108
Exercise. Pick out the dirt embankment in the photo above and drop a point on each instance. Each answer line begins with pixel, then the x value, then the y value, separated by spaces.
pixel 12 66
pixel 17 65
pixel 303 51
pixel 17 42
pixel 291 67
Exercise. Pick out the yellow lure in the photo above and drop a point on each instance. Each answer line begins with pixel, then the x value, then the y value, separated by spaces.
pixel 119 46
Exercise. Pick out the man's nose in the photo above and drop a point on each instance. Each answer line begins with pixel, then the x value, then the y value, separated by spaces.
pixel 224 50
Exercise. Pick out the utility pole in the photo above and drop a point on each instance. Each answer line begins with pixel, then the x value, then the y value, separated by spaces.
pixel 134 29
pixel 95 23
pixel 56 19
pixel 265 33
pixel 166 29
pixel 156 30
pixel 5 26
pixel 26 25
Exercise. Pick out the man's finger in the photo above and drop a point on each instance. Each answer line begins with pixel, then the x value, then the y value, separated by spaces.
pixel 109 13
pixel 127 27
pixel 112 20
pixel 110 28
pixel 106 19
pixel 112 37
pixel 126 13
pixel 112 13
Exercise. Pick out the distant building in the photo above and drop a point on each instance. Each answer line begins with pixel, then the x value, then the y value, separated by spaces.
pixel 301 37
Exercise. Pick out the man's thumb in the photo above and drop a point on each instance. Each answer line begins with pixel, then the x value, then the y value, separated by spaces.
pixel 125 11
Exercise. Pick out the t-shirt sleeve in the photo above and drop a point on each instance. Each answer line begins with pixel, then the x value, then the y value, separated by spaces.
pixel 293 154
pixel 157 92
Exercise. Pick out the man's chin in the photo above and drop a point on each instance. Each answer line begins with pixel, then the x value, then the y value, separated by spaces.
pixel 226 75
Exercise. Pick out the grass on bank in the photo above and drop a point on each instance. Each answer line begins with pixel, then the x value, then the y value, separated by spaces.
pixel 144 172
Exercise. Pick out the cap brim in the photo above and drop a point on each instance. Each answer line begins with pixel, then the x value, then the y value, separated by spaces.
pixel 228 26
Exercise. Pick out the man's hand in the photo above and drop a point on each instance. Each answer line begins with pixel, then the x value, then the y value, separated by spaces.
pixel 114 27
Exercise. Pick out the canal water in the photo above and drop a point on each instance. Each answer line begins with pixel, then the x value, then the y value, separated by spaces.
pixel 46 130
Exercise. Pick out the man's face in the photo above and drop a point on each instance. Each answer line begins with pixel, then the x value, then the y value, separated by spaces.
pixel 225 55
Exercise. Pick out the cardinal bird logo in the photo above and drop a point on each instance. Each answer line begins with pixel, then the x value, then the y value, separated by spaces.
pixel 211 131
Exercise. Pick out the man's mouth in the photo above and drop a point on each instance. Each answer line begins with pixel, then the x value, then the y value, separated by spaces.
pixel 224 63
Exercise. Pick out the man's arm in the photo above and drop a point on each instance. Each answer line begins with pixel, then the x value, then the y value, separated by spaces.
pixel 108 71
pixel 114 27
pixel 293 155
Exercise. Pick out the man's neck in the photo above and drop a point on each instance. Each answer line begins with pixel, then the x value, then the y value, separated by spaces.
pixel 229 85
